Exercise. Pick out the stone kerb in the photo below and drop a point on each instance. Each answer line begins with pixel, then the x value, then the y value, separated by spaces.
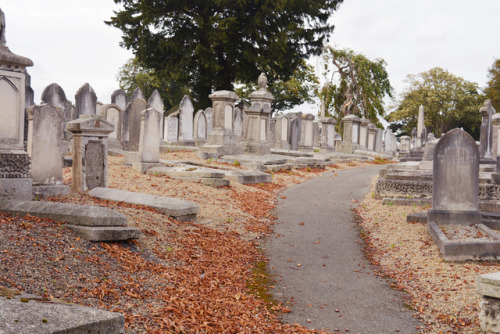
pixel 307 133
pixel 186 112
pixel 149 145
pixel 455 186
pixel 85 101
pixel 90 152
pixel 200 128
pixel 44 148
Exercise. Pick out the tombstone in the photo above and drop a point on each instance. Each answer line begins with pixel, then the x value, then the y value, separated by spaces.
pixel 45 150
pixel 295 131
pixel 281 130
pixel 120 98
pixel 485 146
pixel 363 133
pixel 134 109
pixel 379 141
pixel 423 137
pixel 256 134
pixel 186 113
pixel 328 134
pixel 420 126
pixel 238 122
pixel 429 149
pixel 307 132
pixel 171 128
pixel 54 95
pixel 85 101
pixel 209 115
pixel 404 148
pixel 137 94
pixel 156 102
pixel 221 140
pixel 272 131
pixel 455 185
pixel 90 152
pixel 200 128
pixel 15 179
pixel 338 142
pixel 414 138
pixel 98 108
pixel 114 115
pixel 351 134
pixel 495 136
pixel 316 135
pixel 390 143
pixel 372 134
pixel 149 145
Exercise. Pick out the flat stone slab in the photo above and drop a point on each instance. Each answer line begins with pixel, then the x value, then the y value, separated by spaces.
pixel 86 215
pixel 292 153
pixel 418 217
pixel 186 171
pixel 267 159
pixel 489 284
pixel 106 233
pixel 50 190
pixel 248 176
pixel 177 208
pixel 55 317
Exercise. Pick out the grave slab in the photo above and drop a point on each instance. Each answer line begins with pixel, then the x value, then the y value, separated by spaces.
pixel 177 208
pixel 106 233
pixel 186 171
pixel 248 176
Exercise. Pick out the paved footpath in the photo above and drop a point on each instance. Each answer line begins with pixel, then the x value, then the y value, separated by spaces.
pixel 330 281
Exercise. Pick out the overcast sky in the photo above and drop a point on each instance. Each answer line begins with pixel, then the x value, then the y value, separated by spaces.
pixel 70 44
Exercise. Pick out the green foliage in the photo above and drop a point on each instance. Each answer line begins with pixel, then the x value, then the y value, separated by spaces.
pixel 209 45
pixel 357 85
pixel 493 89
pixel 449 102
pixel 132 75
pixel 302 87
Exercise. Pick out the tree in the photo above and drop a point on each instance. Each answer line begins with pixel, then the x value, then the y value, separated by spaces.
pixel 493 89
pixel 302 87
pixel 211 44
pixel 357 85
pixel 449 102
pixel 132 75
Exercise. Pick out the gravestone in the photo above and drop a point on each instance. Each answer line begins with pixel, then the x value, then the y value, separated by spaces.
pixel 98 108
pixel 420 126
pixel 282 126
pixel 495 137
pixel 45 150
pixel 372 134
pixel 351 134
pixel 404 148
pixel 186 111
pixel 485 146
pixel 200 128
pixel 171 128
pixel 328 134
pixel 155 102
pixel 379 141
pixel 54 95
pixel 85 101
pixel 134 109
pixel 307 132
pixel 137 94
pixel 414 138
pixel 209 115
pixel 90 152
pixel 316 135
pixel 29 100
pixel 114 114
pixel 120 98
pixel 238 122
pixel 149 146
pixel 295 130
pixel 363 133
pixel 455 185
pixel 15 179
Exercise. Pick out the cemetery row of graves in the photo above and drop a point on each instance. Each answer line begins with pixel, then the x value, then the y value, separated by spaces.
pixel 155 220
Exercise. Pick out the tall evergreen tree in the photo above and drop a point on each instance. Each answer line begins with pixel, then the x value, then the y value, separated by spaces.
pixel 493 89
pixel 208 45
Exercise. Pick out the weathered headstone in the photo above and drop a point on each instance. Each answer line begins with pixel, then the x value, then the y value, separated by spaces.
pixel 281 132
pixel 209 115
pixel 328 134
pixel 171 128
pixel 295 131
pixel 155 102
pixel 134 109
pixel 372 134
pixel 85 101
pixel 15 179
pixel 186 112
pixel 307 132
pixel 485 146
pixel 379 141
pixel 363 133
pixel 137 94
pixel 351 134
pixel 120 98
pixel 149 145
pixel 316 134
pixel 420 125
pixel 114 114
pixel 90 152
pixel 238 122
pixel 404 148
pixel 455 186
pixel 200 128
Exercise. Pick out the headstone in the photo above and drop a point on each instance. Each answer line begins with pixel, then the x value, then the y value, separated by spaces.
pixel 186 113
pixel 120 98
pixel 485 146
pixel 405 145
pixel 351 134
pixel 307 132
pixel 238 122
pixel 379 141
pixel 171 131
pixel 85 101
pixel 54 95
pixel 363 133
pixel 200 128
pixel 420 125
pixel 155 102
pixel 414 138
pixel 455 186
pixel 44 148
pixel 137 94
pixel 429 149
pixel 29 100
pixel 134 109
pixel 149 145
pixel 90 152
pixel 316 134
pixel 495 136
pixel 98 108
pixel 114 114
pixel 209 115
pixel 295 131
pixel 15 179
pixel 372 134
pixel 281 130
pixel 328 134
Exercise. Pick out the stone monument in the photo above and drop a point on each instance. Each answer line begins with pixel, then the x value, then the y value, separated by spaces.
pixel 328 134
pixel 186 112
pixel 485 146
pixel 15 178
pixel 420 126
pixel 200 128
pixel 149 144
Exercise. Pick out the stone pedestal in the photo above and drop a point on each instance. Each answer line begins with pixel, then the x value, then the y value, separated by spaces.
pixel 328 135
pixel 221 140
pixel 90 152
pixel 489 306
pixel 15 178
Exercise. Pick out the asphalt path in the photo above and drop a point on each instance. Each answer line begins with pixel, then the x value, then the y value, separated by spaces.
pixel 317 260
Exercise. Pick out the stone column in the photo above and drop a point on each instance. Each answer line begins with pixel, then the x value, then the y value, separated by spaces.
pixel 90 152
pixel 221 140
pixel 363 133
pixel 307 132
pixel 328 134
pixel 15 178
pixel 372 133
pixel 420 126
pixel 488 285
